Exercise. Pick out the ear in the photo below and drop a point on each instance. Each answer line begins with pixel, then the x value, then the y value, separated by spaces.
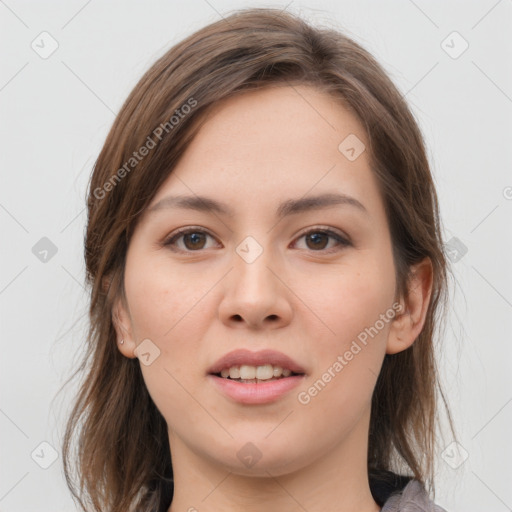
pixel 123 327
pixel 407 325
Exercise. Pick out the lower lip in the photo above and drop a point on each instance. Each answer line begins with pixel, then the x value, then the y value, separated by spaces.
pixel 258 392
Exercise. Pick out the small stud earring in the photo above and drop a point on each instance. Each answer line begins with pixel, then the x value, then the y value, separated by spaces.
pixel 121 342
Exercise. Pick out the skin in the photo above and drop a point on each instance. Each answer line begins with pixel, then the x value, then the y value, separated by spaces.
pixel 307 298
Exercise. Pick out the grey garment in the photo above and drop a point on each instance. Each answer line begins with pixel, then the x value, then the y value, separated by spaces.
pixel 413 498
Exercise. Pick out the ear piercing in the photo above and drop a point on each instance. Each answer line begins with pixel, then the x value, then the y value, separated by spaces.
pixel 121 342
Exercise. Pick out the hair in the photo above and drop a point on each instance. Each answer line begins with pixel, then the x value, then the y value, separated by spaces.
pixel 123 455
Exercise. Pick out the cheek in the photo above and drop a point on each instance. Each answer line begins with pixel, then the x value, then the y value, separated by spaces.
pixel 168 308
pixel 162 300
pixel 348 362
pixel 355 303
pixel 352 297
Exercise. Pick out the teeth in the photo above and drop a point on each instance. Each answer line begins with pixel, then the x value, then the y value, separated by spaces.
pixel 265 372
pixel 234 373
pixel 246 372
pixel 251 373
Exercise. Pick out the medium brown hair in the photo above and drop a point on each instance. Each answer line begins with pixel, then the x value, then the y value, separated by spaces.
pixel 123 454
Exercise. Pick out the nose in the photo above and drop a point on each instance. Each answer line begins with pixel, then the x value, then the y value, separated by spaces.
pixel 255 295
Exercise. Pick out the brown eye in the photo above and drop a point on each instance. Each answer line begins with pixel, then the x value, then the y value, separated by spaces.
pixel 188 240
pixel 194 240
pixel 318 240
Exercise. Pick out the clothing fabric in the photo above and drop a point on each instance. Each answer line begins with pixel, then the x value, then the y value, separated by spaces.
pixel 398 493
pixel 413 498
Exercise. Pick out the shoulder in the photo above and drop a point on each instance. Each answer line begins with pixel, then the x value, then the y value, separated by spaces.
pixel 413 498
pixel 398 493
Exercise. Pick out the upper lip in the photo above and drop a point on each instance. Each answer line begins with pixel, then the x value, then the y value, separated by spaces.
pixel 260 358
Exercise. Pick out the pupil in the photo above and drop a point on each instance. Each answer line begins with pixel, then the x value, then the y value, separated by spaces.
pixel 316 237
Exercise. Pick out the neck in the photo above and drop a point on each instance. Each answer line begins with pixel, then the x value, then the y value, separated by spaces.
pixel 336 480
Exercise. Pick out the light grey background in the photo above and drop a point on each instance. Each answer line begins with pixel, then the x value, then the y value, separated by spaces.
pixel 55 114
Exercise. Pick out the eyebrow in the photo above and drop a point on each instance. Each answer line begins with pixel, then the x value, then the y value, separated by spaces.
pixel 289 207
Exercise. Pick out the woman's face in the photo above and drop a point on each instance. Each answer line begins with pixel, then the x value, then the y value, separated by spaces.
pixel 288 251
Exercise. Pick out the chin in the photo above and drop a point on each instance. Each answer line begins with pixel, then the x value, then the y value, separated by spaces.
pixel 262 457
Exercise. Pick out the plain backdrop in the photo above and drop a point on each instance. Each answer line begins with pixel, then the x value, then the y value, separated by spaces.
pixel 451 60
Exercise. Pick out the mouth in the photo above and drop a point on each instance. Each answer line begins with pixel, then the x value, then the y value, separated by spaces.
pixel 255 377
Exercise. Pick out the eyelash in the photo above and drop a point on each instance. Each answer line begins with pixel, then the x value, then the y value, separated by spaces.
pixel 342 242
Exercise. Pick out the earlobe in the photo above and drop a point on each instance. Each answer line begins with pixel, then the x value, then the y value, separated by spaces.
pixel 408 324
pixel 122 325
pixel 105 284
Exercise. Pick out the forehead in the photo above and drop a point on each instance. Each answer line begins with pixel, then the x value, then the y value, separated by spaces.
pixel 274 143
pixel 293 122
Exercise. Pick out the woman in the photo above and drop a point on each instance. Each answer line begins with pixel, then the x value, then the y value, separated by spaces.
pixel 265 259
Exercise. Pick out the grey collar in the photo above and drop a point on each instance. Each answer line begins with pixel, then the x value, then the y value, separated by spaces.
pixel 413 498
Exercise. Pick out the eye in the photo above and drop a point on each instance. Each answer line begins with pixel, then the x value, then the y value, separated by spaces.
pixel 193 239
pixel 317 239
